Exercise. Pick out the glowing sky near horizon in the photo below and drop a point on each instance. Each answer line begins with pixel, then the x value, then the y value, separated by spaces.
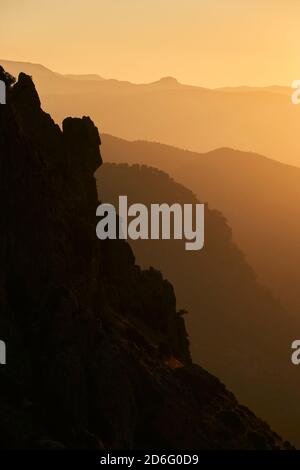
pixel 203 42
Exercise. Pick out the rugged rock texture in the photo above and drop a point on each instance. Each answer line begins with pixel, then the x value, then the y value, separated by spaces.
pixel 96 353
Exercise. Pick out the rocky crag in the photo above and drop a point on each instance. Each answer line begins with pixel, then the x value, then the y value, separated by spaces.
pixel 97 355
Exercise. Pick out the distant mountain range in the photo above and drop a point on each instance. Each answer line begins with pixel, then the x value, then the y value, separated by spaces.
pixel 258 196
pixel 262 120
pixel 91 76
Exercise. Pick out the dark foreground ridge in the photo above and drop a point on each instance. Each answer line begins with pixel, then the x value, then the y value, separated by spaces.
pixel 97 355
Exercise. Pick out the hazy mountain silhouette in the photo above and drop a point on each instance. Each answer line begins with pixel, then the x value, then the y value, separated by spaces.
pixel 98 355
pixel 236 328
pixel 248 89
pixel 91 76
pixel 262 120
pixel 257 195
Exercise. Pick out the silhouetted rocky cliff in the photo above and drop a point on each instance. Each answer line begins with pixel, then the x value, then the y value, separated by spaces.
pixel 96 353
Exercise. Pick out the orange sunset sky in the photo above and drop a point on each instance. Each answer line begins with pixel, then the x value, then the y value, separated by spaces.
pixel 203 42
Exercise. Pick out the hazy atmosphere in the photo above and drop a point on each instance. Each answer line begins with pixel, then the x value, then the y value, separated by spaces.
pixel 133 341
pixel 208 43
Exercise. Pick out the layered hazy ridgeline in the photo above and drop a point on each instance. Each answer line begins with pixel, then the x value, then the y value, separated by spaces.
pixel 99 355
pixel 113 343
pixel 258 196
pixel 262 120
pixel 236 327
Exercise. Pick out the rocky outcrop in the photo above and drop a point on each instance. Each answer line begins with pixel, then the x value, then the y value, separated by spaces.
pixel 97 355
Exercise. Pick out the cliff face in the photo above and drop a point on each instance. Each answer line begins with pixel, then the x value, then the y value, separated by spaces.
pixel 96 353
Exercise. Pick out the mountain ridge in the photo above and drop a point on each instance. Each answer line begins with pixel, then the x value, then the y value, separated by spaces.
pixel 248 189
pixel 263 120
pixel 18 66
pixel 98 354
pixel 229 312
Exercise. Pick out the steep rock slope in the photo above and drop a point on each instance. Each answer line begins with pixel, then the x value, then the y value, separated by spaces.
pixel 237 329
pixel 96 353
